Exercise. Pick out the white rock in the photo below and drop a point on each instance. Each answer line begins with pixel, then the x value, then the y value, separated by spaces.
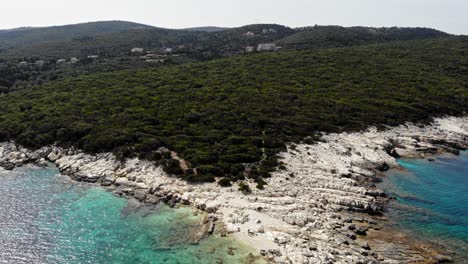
pixel 231 228
pixel 122 181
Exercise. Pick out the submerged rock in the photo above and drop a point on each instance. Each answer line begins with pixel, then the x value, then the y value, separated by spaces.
pixel 7 165
pixel 140 194
pixel 107 181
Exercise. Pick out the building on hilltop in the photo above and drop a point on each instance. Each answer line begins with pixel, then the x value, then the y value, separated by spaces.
pixel 23 64
pixel 74 60
pixel 39 63
pixel 269 30
pixel 137 50
pixel 153 56
pixel 155 60
pixel 267 47
pixel 61 61
pixel 249 49
pixel 93 57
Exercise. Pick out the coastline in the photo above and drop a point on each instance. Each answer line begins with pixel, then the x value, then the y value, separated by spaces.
pixel 319 209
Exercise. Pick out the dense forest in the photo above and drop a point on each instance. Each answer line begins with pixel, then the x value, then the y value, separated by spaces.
pixel 14 77
pixel 112 42
pixel 230 117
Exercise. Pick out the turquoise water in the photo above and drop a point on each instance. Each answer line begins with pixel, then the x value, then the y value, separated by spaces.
pixel 46 218
pixel 432 200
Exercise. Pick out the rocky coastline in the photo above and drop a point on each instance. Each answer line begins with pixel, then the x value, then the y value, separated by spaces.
pixel 321 207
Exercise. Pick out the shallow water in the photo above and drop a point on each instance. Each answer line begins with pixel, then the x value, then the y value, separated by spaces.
pixel 432 200
pixel 47 218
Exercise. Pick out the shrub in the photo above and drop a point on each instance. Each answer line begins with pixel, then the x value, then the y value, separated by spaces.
pixel 260 183
pixel 172 166
pixel 199 178
pixel 211 170
pixel 244 188
pixel 225 182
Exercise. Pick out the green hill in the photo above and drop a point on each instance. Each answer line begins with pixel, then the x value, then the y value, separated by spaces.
pixel 219 115
pixel 335 36
pixel 22 37
pixel 108 44
pixel 198 43
pixel 189 45
pixel 113 50
pixel 208 44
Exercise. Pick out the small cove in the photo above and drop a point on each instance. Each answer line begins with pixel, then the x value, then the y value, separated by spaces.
pixel 47 218
pixel 432 201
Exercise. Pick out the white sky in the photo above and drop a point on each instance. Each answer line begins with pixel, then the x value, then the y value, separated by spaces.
pixel 447 15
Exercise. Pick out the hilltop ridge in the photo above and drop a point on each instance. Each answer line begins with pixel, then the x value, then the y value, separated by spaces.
pixel 25 36
pixel 113 37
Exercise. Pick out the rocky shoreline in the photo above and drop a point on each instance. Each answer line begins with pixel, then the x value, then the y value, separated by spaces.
pixel 317 209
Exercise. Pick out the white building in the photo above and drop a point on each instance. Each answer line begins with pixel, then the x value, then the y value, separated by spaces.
pixel 267 47
pixel 39 63
pixel 74 60
pixel 93 57
pixel 156 60
pixel 23 64
pixel 137 50
pixel 249 49
pixel 270 30
pixel 61 61
pixel 250 34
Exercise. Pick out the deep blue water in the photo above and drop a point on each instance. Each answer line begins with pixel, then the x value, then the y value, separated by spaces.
pixel 432 200
pixel 47 218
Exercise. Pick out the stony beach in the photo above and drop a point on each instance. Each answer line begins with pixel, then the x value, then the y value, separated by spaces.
pixel 321 207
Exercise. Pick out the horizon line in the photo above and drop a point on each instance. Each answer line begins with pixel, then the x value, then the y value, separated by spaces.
pixel 215 26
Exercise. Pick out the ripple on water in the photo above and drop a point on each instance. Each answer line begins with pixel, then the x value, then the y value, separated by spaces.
pixel 432 200
pixel 46 218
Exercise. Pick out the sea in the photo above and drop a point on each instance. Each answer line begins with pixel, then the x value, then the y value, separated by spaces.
pixel 432 201
pixel 47 218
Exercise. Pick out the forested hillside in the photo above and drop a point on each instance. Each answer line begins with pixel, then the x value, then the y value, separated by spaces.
pixel 335 36
pixel 219 115
pixel 209 44
pixel 21 37
pixel 30 65
pixel 113 52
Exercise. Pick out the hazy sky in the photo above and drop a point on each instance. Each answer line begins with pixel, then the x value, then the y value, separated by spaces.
pixel 447 15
